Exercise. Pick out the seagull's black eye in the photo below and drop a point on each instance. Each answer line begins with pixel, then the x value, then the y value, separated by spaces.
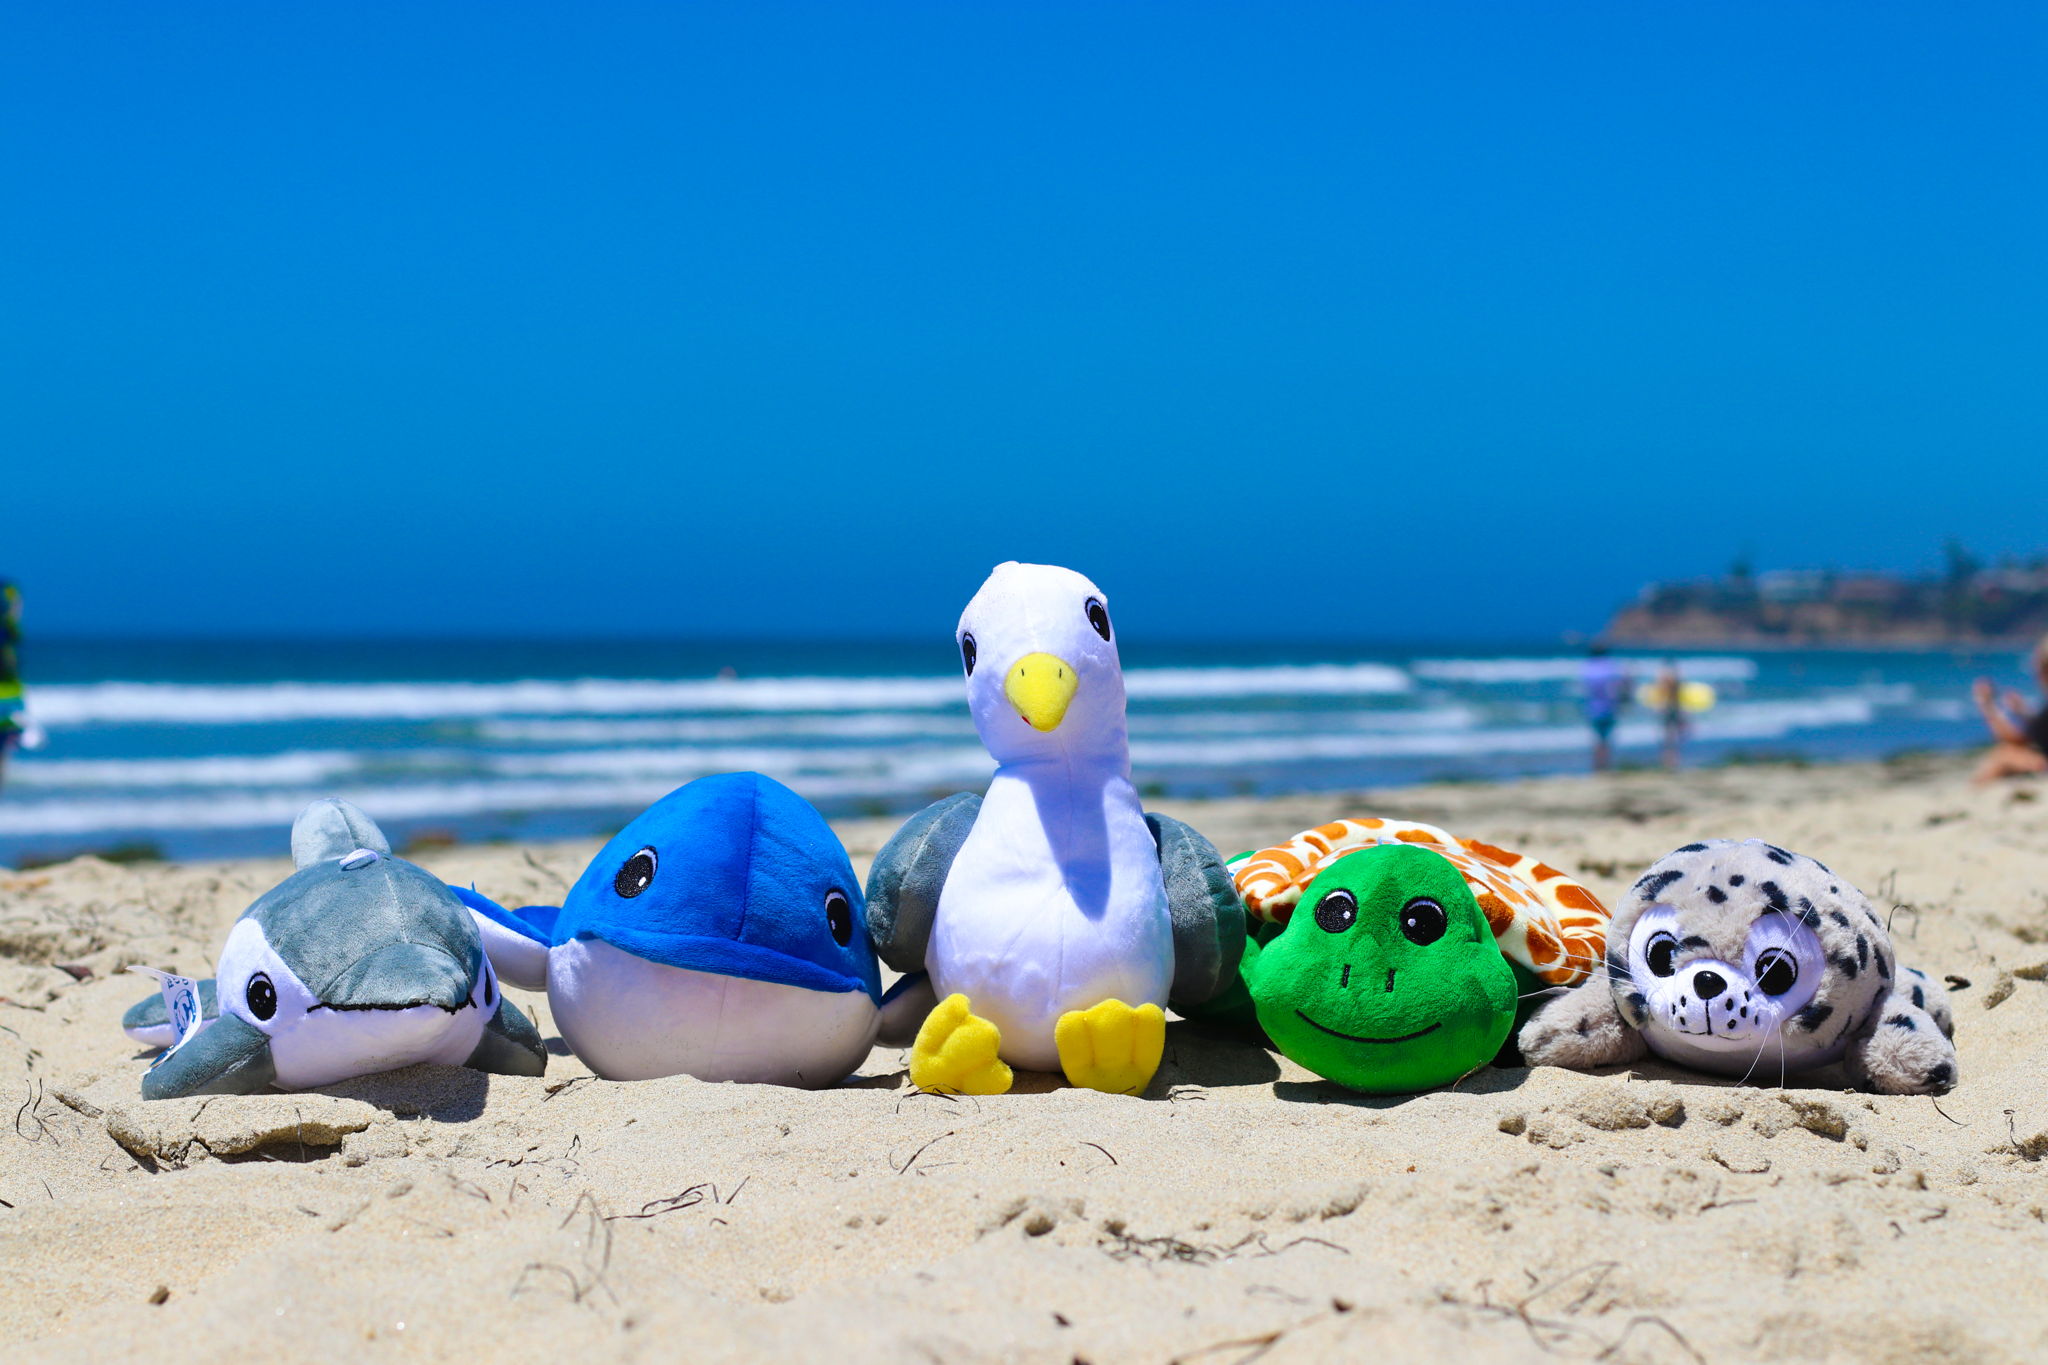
pixel 839 916
pixel 1777 971
pixel 261 996
pixel 1659 952
pixel 967 653
pixel 1098 616
pixel 636 874
pixel 1337 912
pixel 1423 921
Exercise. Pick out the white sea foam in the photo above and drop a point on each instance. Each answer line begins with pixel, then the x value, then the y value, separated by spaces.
pixel 71 704
pixel 1505 672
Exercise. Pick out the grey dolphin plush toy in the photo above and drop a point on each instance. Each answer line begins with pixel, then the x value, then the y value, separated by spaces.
pixel 1749 960
pixel 356 963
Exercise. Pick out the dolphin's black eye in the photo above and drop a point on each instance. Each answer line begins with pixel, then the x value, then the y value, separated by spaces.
pixel 1337 912
pixel 1777 971
pixel 1659 952
pixel 636 874
pixel 1098 616
pixel 1423 921
pixel 261 996
pixel 839 916
pixel 967 653
pixel 487 988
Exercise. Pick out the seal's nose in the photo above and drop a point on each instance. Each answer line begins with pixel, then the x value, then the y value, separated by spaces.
pixel 1708 984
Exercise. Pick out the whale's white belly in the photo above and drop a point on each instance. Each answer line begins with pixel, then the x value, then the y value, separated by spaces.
pixel 633 1020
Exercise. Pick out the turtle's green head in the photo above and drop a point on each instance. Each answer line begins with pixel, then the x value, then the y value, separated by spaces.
pixel 1386 978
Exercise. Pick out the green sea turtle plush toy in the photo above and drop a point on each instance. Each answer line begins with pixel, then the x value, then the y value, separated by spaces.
pixel 1390 956
pixel 1387 979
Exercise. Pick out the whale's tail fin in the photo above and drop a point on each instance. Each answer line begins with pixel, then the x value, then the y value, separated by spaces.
pixel 516 941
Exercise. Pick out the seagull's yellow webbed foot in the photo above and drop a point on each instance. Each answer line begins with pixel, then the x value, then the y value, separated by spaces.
pixel 1110 1046
pixel 956 1051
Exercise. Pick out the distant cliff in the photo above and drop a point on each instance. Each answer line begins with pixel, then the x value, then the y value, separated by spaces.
pixel 1968 605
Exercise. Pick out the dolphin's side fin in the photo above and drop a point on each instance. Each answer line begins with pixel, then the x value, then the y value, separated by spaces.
pixel 149 1023
pixel 332 828
pixel 516 941
pixel 511 1045
pixel 1208 917
pixel 226 1057
pixel 909 873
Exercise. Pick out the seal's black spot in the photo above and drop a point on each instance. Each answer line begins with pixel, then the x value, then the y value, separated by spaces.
pixel 1736 879
pixel 1844 964
pixel 1837 916
pixel 1778 855
pixel 1716 894
pixel 1652 886
pixel 1774 897
pixel 1690 848
pixel 1813 1016
pixel 1920 997
pixel 1904 1021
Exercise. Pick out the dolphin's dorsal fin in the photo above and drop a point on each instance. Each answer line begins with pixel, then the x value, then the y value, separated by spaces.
pixel 332 828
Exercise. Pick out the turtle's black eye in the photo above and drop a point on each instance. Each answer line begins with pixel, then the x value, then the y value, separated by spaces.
pixel 1777 971
pixel 839 916
pixel 1423 921
pixel 261 996
pixel 1098 616
pixel 1659 952
pixel 967 653
pixel 636 874
pixel 1337 912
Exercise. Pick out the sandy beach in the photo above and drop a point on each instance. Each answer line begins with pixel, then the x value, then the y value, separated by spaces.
pixel 1240 1209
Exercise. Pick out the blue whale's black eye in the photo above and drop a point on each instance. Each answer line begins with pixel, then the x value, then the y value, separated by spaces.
pixel 967 653
pixel 1098 616
pixel 261 996
pixel 839 916
pixel 636 874
pixel 1777 971
pixel 1336 912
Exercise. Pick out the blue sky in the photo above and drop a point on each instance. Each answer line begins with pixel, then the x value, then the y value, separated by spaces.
pixel 1380 320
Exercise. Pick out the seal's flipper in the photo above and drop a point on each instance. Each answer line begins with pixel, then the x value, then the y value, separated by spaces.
pixel 1208 917
pixel 226 1057
pixel 904 1009
pixel 331 828
pixel 516 941
pixel 148 1023
pixel 511 1045
pixel 909 873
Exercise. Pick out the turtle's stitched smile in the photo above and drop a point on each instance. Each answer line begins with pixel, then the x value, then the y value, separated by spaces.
pixel 1354 1038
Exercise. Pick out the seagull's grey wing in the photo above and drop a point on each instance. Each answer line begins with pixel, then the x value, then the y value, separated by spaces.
pixel 909 872
pixel 1208 917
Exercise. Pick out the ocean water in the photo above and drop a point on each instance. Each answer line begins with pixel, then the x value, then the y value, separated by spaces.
pixel 204 749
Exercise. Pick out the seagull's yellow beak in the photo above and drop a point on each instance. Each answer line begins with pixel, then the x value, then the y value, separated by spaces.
pixel 1041 687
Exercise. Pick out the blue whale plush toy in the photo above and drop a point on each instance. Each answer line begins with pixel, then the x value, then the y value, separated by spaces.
pixel 722 935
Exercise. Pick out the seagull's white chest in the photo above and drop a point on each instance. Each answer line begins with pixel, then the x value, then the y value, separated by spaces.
pixel 1055 903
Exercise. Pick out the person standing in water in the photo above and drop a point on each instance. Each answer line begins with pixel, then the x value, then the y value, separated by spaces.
pixel 1670 697
pixel 2020 731
pixel 1605 685
pixel 14 724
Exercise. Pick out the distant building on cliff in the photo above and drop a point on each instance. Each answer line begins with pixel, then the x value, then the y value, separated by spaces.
pixel 1967 604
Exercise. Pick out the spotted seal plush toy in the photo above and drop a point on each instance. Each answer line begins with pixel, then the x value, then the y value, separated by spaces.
pixel 358 962
pixel 1747 960
pixel 1390 956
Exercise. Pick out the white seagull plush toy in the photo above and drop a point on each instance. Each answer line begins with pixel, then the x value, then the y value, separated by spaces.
pixel 1054 915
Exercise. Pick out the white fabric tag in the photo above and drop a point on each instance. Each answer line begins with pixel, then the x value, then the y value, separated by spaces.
pixel 181 1003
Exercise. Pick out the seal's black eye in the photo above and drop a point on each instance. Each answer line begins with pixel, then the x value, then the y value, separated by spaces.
pixel 1659 952
pixel 1777 971
pixel 967 653
pixel 839 916
pixel 1337 912
pixel 1098 616
pixel 261 996
pixel 1423 921
pixel 636 874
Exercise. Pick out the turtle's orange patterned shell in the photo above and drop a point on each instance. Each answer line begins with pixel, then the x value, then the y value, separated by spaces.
pixel 1541 918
